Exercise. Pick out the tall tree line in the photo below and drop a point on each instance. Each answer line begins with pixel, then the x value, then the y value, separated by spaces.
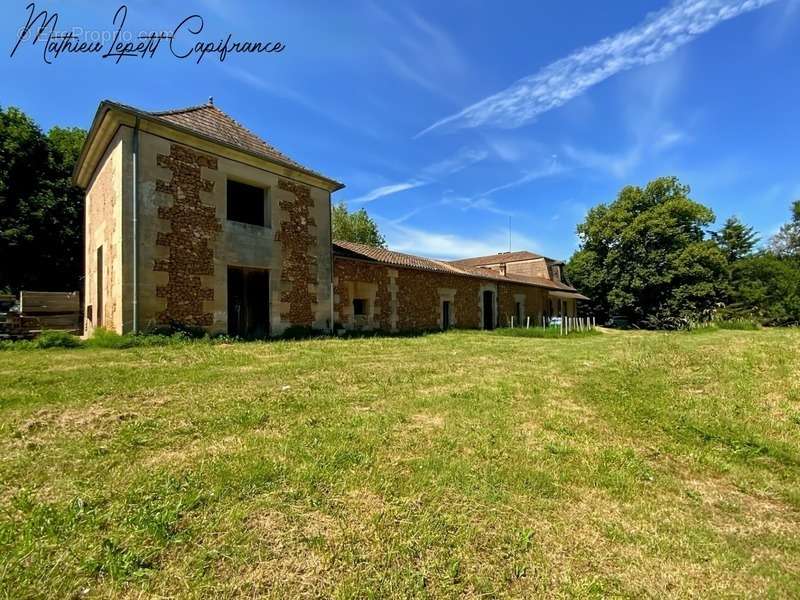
pixel 651 257
pixel 41 212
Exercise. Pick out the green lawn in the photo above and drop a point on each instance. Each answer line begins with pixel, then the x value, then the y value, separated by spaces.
pixel 460 464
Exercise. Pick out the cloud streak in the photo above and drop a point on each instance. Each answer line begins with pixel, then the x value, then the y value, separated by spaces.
pixel 458 162
pixel 657 37
pixel 448 246
pixel 387 190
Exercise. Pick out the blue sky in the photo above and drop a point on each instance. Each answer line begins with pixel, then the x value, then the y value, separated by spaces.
pixel 448 121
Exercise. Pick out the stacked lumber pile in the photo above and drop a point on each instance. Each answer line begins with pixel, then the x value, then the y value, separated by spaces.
pixel 50 310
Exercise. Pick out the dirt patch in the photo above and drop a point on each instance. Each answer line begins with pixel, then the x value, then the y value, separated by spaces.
pixel 426 421
pixel 85 418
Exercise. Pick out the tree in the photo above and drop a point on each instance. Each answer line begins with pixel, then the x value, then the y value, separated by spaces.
pixel 735 239
pixel 787 241
pixel 41 212
pixel 355 226
pixel 766 287
pixel 645 256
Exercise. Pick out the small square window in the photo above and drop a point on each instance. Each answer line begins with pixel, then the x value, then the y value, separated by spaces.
pixel 359 307
pixel 247 203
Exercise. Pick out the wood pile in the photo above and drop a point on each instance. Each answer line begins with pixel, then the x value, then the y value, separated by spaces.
pixel 41 311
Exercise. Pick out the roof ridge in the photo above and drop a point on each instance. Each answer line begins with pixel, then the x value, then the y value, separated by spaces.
pixel 387 256
pixel 178 111
pixel 222 113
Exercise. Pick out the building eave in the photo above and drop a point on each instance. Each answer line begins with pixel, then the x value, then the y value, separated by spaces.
pixel 111 115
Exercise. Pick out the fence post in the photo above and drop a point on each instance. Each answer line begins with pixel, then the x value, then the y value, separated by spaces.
pixel 528 323
pixel 512 321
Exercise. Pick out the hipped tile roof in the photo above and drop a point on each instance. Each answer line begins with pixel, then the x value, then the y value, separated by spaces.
pixel 210 122
pixel 399 259
pixel 494 259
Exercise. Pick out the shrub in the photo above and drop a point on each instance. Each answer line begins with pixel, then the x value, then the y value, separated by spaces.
pixel 56 339
pixel 103 338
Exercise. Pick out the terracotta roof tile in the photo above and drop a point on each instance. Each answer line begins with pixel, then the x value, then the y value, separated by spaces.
pixel 493 259
pixel 211 122
pixel 399 259
pixel 389 257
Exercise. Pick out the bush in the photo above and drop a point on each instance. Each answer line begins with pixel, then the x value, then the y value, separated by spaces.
pixel 103 338
pixel 56 339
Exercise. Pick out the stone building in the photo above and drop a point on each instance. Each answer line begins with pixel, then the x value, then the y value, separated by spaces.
pixel 192 219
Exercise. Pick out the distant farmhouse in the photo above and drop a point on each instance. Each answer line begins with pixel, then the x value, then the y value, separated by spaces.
pixel 192 219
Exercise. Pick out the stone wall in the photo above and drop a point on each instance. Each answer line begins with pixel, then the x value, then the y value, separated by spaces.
pixel 188 211
pixel 354 279
pixel 103 228
pixel 533 300
pixel 403 299
pixel 299 270
pixel 531 268
pixel 420 295
pixel 193 227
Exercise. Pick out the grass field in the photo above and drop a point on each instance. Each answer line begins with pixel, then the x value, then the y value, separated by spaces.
pixel 461 464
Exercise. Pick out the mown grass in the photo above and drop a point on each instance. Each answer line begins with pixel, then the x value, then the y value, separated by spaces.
pixel 460 464
pixel 544 332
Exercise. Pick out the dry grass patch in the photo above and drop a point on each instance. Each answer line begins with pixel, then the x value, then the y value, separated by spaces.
pixel 457 465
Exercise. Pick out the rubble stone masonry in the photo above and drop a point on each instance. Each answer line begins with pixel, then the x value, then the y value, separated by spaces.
pixel 298 241
pixel 361 272
pixel 414 297
pixel 193 229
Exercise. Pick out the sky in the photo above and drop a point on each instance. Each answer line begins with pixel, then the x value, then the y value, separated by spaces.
pixel 471 127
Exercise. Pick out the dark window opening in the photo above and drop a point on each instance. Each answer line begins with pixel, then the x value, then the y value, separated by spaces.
pixel 359 307
pixel 446 315
pixel 518 312
pixel 246 203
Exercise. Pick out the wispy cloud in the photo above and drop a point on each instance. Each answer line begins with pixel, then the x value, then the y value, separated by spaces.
pixel 450 246
pixel 644 102
pixel 285 92
pixel 458 162
pixel 657 37
pixel 387 190
pixel 462 159
pixel 465 203
pixel 554 168
pixel 409 41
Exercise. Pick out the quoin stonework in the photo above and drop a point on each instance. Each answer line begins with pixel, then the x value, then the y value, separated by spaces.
pixel 192 220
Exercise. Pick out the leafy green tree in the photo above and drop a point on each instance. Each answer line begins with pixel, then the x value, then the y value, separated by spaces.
pixel 767 287
pixel 787 241
pixel 355 226
pixel 41 212
pixel 645 256
pixel 735 239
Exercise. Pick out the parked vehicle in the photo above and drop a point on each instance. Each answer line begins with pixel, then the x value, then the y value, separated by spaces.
pixel 618 322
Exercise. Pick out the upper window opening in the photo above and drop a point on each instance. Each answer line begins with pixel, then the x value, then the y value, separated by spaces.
pixel 246 203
